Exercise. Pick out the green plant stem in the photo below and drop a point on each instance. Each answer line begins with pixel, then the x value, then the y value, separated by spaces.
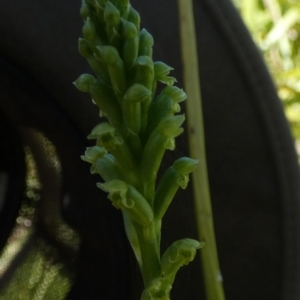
pixel 149 252
pixel 211 270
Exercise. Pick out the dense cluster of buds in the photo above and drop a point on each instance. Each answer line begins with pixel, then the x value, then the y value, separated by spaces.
pixel 140 127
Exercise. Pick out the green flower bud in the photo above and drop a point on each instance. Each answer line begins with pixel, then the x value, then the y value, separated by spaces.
pixel 180 253
pixel 161 71
pixel 146 43
pixel 106 101
pixel 123 6
pixel 144 71
pixel 116 69
pixel 85 10
pixel 83 82
pixel 127 198
pixel 109 54
pixel 128 30
pixel 99 6
pixel 112 20
pixel 136 94
pixel 175 177
pixel 163 106
pixel 185 165
pixel 84 48
pixel 89 30
pixel 162 138
pixel 134 17
pixel 111 14
pixel 130 43
pixel 107 168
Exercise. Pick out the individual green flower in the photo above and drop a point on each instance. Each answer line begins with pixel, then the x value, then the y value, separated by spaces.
pixel 162 138
pixel 92 154
pixel 176 176
pixel 126 197
pixel 106 136
pixel 116 69
pixel 180 253
pixel 132 114
pixel 161 71
pixel 165 105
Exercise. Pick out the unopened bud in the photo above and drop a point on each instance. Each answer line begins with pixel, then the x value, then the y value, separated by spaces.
pixel 111 14
pixel 84 82
pixel 89 30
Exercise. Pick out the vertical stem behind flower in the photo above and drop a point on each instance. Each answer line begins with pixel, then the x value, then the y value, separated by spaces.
pixel 211 270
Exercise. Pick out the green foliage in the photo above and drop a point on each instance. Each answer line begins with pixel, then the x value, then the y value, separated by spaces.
pixel 140 128
pixel 275 27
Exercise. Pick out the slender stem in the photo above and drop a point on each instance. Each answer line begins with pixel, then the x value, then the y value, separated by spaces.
pixel 211 270
pixel 149 252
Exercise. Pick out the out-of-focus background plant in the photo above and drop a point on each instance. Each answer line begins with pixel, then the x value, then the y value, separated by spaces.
pixel 275 27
